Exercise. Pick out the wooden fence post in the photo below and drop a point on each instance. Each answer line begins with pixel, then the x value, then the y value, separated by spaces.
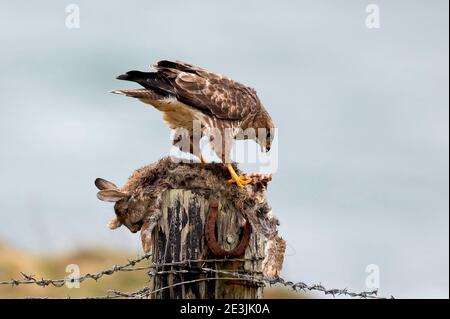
pixel 182 234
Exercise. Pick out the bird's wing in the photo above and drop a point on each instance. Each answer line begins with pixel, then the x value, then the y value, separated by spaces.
pixel 211 93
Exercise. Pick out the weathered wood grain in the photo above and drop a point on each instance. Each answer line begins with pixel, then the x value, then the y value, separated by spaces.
pixel 180 235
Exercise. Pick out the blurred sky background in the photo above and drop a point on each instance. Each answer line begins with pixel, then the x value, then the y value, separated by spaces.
pixel 363 117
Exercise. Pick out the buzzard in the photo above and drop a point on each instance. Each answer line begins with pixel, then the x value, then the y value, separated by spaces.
pixel 186 94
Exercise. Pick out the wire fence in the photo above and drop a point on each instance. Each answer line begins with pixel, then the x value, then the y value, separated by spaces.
pixel 183 267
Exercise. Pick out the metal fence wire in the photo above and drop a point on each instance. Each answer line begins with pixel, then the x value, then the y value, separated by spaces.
pixel 183 267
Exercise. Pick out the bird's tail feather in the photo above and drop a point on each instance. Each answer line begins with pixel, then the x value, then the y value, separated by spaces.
pixel 149 80
pixel 142 94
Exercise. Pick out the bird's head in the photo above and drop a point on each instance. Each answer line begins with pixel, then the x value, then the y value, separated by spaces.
pixel 265 132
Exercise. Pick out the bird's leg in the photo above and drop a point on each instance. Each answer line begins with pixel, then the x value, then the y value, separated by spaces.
pixel 199 154
pixel 196 150
pixel 202 159
pixel 222 147
pixel 240 181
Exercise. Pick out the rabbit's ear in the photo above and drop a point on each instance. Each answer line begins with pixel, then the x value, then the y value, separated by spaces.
pixel 111 195
pixel 104 184
pixel 114 223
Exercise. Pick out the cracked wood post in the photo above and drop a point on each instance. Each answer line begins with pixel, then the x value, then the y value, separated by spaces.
pixel 181 234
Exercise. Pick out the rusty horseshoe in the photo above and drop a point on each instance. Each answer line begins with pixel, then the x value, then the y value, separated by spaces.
pixel 211 239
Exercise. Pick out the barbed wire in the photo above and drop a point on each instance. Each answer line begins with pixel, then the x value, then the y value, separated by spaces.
pixel 30 279
pixel 185 267
pixel 297 287
pixel 300 286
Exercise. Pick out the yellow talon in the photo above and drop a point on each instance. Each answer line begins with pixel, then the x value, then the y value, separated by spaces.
pixel 240 181
pixel 245 180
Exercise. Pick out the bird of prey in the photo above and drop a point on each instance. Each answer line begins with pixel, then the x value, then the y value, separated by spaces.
pixel 185 93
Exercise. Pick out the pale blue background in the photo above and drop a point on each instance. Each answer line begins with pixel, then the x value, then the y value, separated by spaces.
pixel 362 116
